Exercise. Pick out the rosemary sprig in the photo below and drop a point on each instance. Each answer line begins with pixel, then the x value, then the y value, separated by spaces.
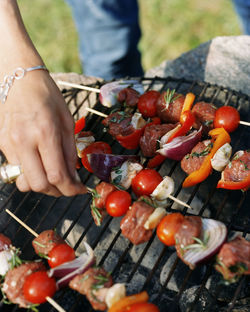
pixel 15 261
pixel 33 307
pixel 96 213
pixel 95 194
pixel 148 201
pixel 170 97
pixel 205 152
pixel 200 243
pixel 238 268
pixel 39 244
pixel 101 281
pixel 40 254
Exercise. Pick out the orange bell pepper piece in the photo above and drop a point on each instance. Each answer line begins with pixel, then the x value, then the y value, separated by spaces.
pixel 188 102
pixel 127 301
pixel 221 137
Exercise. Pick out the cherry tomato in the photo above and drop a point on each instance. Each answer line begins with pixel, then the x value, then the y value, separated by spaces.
pixel 143 307
pixel 96 147
pixel 227 117
pixel 38 286
pixel 147 103
pixel 117 203
pixel 59 254
pixel 145 182
pixel 168 227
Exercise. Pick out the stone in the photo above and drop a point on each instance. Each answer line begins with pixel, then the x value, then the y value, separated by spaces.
pixel 223 61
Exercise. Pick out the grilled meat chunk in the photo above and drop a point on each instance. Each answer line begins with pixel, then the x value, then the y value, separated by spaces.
pixel 132 224
pixel 190 228
pixel 14 281
pixel 93 284
pixel 5 242
pixel 233 259
pixel 98 209
pixel 128 96
pixel 151 136
pixel 119 123
pixel 46 241
pixel 204 114
pixel 192 162
pixel 239 168
pixel 169 107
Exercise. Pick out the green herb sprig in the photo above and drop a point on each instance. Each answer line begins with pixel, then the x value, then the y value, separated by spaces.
pixel 170 97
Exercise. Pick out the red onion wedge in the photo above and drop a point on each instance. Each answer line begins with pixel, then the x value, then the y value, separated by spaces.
pixel 69 270
pixel 109 91
pixel 181 146
pixel 102 164
pixel 214 235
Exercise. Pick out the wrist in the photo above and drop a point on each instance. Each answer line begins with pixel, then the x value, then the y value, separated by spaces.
pixel 17 74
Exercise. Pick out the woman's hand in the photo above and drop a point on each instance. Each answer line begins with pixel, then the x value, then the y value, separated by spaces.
pixel 37 132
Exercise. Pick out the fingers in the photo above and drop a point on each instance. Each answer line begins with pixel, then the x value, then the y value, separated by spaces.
pixel 56 168
pixel 34 177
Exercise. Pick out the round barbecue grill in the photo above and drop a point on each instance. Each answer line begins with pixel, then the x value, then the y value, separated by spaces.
pixel 151 266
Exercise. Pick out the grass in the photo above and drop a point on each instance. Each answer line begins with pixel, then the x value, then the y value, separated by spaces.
pixel 169 28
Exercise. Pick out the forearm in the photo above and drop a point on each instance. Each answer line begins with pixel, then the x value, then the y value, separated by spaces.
pixel 17 48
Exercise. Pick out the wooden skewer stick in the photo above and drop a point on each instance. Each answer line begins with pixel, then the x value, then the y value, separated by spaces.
pixel 78 86
pixel 75 85
pixel 179 201
pixel 21 222
pixel 245 123
pixel 82 87
pixel 91 110
pixel 55 304
pixel 49 299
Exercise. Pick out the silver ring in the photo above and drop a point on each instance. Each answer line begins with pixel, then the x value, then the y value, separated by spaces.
pixel 9 173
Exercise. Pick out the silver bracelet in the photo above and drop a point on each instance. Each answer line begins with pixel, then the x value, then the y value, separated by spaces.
pixel 9 80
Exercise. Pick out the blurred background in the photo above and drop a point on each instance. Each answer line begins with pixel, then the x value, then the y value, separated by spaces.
pixel 169 28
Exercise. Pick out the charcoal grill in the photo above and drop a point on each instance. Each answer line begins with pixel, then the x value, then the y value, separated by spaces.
pixel 150 266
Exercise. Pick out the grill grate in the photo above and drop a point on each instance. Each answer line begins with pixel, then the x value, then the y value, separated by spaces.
pixel 151 266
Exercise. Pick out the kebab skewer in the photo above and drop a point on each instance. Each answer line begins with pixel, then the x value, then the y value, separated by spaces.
pixel 17 275
pixel 94 282
pixel 226 116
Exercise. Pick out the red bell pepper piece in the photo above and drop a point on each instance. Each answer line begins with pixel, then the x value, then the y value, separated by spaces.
pixel 231 185
pixel 187 119
pixel 79 125
pixel 155 161
pixel 132 140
